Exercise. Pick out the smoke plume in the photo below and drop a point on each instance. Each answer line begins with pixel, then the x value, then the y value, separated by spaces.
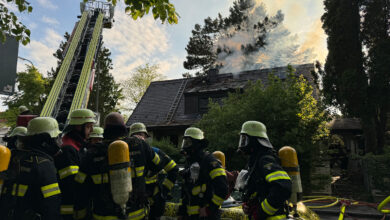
pixel 280 49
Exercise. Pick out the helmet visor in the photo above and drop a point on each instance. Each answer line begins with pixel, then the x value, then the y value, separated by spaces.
pixel 244 141
pixel 187 143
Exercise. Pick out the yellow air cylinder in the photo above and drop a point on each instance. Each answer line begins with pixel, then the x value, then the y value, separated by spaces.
pixel 289 159
pixel 220 156
pixel 120 176
pixel 5 156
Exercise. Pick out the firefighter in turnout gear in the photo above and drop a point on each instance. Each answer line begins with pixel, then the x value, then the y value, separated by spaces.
pixel 158 189
pixel 15 139
pixel 96 136
pixel 23 110
pixel 76 133
pixel 267 186
pixel 205 186
pixel 93 182
pixel 31 189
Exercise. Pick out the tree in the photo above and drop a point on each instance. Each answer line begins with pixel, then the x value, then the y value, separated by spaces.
pixel 200 51
pixel 59 54
pixel 136 85
pixel 287 108
pixel 108 91
pixel 376 38
pixel 355 81
pixel 32 92
pixel 246 39
pixel 9 24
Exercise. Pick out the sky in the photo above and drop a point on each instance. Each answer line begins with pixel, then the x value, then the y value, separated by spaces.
pixel 135 43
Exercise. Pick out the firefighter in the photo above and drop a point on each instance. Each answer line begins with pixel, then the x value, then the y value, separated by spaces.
pixel 76 133
pixel 31 188
pixel 93 178
pixel 96 136
pixel 158 188
pixel 15 139
pixel 205 185
pixel 23 110
pixel 267 186
pixel 138 130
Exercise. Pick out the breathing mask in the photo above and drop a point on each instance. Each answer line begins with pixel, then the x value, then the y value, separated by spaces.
pixel 186 145
pixel 243 144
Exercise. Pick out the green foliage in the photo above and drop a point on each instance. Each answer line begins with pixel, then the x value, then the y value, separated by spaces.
pixel 161 9
pixel 377 169
pixel 135 86
pixel 170 149
pixel 32 91
pixel 344 66
pixel 287 108
pixel 9 24
pixel 109 91
pixel 357 71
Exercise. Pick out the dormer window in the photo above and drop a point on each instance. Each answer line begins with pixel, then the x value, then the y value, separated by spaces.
pixel 198 103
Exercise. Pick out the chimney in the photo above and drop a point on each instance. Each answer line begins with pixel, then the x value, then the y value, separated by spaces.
pixel 212 75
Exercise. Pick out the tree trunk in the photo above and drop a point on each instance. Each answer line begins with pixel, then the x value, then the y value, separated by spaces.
pixel 370 136
pixel 381 129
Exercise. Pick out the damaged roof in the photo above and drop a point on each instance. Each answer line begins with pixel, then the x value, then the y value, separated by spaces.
pixel 163 102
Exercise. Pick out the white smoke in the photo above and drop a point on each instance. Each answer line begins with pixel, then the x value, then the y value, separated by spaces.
pixel 281 46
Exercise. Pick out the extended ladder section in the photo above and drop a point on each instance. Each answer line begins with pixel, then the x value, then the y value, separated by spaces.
pixel 54 99
pixel 74 80
pixel 81 96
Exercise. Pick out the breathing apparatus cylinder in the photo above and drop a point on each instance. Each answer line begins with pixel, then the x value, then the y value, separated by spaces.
pixel 289 160
pixel 5 156
pixel 120 173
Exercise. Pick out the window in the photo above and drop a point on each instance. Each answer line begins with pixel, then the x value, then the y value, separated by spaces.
pixel 195 104
pixel 190 104
pixel 203 104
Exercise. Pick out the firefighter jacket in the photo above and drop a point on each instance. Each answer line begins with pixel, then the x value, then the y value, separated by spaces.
pixel 160 184
pixel 31 188
pixel 268 188
pixel 93 182
pixel 208 190
pixel 67 164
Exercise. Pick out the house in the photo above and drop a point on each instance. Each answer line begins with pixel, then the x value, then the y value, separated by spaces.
pixel 350 129
pixel 169 107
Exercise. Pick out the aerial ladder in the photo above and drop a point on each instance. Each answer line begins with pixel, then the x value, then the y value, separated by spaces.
pixel 73 84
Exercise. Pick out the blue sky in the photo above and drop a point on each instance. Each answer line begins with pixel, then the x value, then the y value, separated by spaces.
pixel 135 43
